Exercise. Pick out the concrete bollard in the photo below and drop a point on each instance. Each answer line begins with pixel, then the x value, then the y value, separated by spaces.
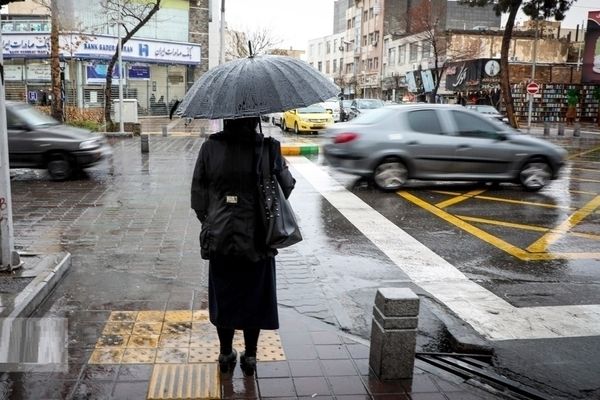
pixel 394 333
pixel 577 130
pixel 561 130
pixel 165 131
pixel 546 129
pixel 144 143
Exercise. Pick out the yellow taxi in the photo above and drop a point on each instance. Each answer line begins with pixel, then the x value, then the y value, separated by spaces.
pixel 307 119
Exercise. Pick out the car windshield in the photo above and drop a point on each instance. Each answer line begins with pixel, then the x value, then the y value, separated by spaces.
pixel 346 103
pixel 369 104
pixel 314 109
pixel 33 117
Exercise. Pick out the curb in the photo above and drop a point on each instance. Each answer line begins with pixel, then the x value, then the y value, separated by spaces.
pixel 36 291
pixel 299 149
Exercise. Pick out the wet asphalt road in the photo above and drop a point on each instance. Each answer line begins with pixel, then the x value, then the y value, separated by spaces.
pixel 134 245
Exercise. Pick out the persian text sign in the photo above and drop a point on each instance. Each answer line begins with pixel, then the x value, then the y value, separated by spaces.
pixel 25 45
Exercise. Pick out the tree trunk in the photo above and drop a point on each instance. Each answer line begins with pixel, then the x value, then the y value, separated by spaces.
pixel 504 71
pixel 108 92
pixel 55 72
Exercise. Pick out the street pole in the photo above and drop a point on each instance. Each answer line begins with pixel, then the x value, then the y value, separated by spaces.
pixel 9 257
pixel 222 34
pixel 532 75
pixel 120 45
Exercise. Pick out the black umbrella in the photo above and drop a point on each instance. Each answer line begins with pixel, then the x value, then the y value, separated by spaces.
pixel 254 86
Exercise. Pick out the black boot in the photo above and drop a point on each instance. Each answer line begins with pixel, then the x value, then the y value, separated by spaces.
pixel 247 364
pixel 227 362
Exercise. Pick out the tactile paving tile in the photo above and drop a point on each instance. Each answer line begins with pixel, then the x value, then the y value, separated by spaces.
pixel 139 356
pixel 172 355
pixel 193 381
pixel 177 336
pixel 106 356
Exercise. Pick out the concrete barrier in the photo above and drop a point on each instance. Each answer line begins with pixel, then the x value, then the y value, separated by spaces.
pixel 394 333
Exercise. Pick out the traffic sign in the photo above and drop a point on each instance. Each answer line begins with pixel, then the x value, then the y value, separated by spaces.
pixel 533 88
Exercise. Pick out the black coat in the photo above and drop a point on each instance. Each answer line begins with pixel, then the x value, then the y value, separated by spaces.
pixel 242 288
pixel 224 193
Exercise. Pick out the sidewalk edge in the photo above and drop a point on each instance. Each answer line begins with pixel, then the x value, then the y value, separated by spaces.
pixel 38 289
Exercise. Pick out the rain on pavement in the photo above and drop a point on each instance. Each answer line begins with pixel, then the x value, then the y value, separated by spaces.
pixel 134 220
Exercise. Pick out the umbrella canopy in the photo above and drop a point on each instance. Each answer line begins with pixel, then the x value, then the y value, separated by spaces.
pixel 254 86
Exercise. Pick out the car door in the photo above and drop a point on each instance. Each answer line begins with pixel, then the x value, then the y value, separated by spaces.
pixel 427 143
pixel 19 141
pixel 480 146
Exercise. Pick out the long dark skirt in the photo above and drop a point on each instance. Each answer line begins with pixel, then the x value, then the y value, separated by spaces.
pixel 242 294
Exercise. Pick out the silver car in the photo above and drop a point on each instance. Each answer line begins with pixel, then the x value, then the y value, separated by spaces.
pixel 439 142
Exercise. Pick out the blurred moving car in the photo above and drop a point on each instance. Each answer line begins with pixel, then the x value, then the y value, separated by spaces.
pixel 312 119
pixel 363 106
pixel 487 110
pixel 275 118
pixel 439 142
pixel 36 140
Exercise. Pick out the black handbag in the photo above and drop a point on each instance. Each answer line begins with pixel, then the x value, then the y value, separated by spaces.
pixel 279 219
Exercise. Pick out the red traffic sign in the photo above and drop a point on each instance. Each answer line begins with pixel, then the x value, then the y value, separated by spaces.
pixel 533 88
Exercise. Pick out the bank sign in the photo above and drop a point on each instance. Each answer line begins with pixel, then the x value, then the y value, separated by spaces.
pixel 24 45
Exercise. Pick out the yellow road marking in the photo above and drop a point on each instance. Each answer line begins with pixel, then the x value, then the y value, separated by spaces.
pixel 529 203
pixel 583 153
pixel 524 227
pixel 515 251
pixel 583 192
pixel 481 234
pixel 504 223
pixel 459 198
pixel 585 169
pixel 542 243
pixel 445 192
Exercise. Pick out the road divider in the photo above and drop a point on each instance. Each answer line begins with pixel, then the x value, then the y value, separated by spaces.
pixel 293 149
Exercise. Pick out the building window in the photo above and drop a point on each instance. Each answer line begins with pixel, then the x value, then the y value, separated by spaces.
pixel 413 52
pixel 349 24
pixel 402 54
pixel 335 46
pixel 370 12
pixel 349 68
pixel 364 41
pixel 320 66
pixel 334 66
pixel 376 63
pixel 370 64
pixel 426 49
pixel 366 15
pixel 327 66
pixel 392 56
pixel 341 63
pixel 311 49
pixel 327 47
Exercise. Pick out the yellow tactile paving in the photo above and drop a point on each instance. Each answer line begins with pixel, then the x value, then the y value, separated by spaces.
pixel 193 381
pixel 170 337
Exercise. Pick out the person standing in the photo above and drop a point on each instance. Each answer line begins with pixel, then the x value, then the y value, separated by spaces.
pixel 224 196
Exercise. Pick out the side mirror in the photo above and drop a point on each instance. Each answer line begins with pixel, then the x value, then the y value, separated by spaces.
pixel 501 137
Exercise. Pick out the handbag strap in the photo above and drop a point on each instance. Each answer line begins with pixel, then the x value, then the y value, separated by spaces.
pixel 266 158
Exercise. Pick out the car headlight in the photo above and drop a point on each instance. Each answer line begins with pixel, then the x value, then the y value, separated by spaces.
pixel 88 144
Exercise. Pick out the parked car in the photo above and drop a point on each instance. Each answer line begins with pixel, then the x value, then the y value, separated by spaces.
pixel 332 106
pixel 35 140
pixel 363 106
pixel 313 118
pixel 275 118
pixel 439 142
pixel 487 110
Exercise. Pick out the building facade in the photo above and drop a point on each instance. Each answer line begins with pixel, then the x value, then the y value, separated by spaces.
pixel 159 63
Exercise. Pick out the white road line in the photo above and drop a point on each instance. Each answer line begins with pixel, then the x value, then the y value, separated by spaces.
pixel 487 313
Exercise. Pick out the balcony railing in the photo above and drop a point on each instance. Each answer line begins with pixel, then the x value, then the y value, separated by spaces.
pixel 26 26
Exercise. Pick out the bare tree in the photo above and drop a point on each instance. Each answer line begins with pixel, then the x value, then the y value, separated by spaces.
pixel 261 40
pixel 423 20
pixel 132 15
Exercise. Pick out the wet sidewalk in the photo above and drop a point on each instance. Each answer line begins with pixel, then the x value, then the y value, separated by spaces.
pixel 135 297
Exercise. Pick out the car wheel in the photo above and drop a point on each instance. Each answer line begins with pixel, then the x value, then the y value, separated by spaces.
pixel 296 130
pixel 391 174
pixel 60 167
pixel 535 174
pixel 283 127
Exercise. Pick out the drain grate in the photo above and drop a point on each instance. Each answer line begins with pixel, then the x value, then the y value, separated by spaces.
pixel 184 381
